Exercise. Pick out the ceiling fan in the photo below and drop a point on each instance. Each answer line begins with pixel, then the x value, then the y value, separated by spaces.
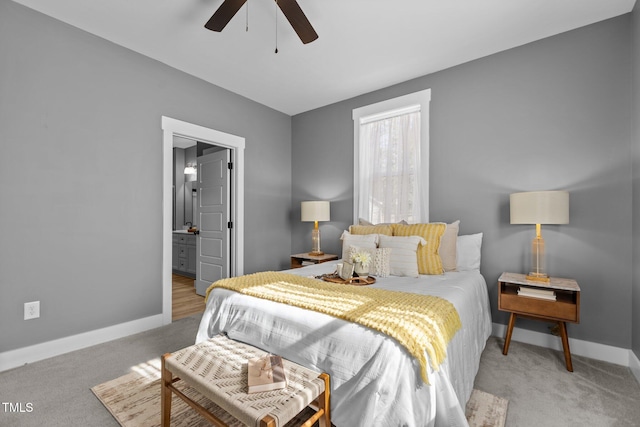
pixel 289 8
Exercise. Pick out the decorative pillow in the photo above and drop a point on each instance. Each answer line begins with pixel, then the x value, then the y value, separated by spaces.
pixel 362 221
pixel 447 251
pixel 371 229
pixel 429 261
pixel 469 248
pixel 380 260
pixel 367 241
pixel 403 260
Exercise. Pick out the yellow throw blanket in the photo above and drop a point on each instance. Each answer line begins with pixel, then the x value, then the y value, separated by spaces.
pixel 421 323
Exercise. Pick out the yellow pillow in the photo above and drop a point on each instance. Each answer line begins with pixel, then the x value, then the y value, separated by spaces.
pixel 429 261
pixel 362 221
pixel 371 229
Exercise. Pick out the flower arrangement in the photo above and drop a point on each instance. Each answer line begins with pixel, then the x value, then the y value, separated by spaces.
pixel 362 257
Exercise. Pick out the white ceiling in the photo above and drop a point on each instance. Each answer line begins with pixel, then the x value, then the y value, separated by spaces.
pixel 363 45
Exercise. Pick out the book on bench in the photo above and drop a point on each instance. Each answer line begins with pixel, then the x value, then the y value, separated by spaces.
pixel 266 373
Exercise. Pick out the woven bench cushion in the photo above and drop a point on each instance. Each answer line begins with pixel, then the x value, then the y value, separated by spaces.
pixel 217 368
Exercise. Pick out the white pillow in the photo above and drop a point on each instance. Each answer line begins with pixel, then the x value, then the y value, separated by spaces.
pixel 447 249
pixel 403 260
pixel 468 249
pixel 365 241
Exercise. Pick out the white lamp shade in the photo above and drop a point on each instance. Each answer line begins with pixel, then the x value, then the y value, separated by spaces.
pixel 315 211
pixel 540 207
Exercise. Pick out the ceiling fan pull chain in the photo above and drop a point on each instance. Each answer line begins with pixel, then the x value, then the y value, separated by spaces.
pixel 247 27
pixel 276 2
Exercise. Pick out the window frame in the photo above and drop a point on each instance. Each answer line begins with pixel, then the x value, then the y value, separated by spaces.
pixel 422 99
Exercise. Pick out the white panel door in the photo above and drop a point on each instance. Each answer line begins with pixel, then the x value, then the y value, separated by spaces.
pixel 212 245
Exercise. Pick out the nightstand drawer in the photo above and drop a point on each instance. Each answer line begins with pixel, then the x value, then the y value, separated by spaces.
pixel 560 310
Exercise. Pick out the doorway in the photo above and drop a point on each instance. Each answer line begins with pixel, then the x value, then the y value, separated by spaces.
pixel 177 128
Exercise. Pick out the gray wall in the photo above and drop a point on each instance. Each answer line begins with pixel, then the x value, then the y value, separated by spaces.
pixel 554 114
pixel 636 180
pixel 81 176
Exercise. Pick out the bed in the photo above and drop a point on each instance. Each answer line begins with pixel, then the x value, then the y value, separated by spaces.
pixel 374 380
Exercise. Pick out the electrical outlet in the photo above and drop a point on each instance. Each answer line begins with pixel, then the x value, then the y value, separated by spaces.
pixel 31 310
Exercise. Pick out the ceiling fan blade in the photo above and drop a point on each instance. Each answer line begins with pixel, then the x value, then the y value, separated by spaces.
pixel 298 20
pixel 223 15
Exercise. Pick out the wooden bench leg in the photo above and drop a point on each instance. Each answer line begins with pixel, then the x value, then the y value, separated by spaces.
pixel 165 394
pixel 325 402
pixel 267 421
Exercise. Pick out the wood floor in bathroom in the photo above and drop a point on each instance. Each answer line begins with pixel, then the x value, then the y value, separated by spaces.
pixel 185 300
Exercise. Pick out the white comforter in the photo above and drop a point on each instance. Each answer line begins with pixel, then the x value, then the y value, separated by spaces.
pixel 374 380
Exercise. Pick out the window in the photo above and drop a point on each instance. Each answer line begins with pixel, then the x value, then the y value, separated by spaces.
pixel 391 160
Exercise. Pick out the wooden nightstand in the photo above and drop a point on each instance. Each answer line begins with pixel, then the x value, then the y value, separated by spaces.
pixel 564 308
pixel 301 260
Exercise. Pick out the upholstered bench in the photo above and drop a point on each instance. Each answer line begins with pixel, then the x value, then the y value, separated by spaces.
pixel 217 370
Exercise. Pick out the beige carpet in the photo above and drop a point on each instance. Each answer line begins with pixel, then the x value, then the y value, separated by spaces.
pixel 134 401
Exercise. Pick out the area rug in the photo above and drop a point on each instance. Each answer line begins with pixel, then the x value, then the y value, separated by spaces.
pixel 134 401
pixel 486 410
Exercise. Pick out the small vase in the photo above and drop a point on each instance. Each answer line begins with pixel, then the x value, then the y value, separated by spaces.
pixel 360 270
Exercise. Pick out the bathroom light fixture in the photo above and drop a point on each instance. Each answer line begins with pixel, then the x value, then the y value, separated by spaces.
pixel 539 207
pixel 315 211
pixel 191 172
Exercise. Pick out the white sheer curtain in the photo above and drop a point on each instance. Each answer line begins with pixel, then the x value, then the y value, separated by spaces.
pixel 389 167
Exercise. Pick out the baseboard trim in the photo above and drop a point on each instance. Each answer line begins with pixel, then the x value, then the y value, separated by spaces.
pixel 606 353
pixel 634 364
pixel 21 356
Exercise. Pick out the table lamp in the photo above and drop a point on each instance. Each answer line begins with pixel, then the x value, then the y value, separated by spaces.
pixel 539 207
pixel 315 211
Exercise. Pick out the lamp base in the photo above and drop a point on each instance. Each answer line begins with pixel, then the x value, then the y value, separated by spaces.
pixel 538 259
pixel 315 242
pixel 538 277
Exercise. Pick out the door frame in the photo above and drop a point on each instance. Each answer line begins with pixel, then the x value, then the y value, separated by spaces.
pixel 173 127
